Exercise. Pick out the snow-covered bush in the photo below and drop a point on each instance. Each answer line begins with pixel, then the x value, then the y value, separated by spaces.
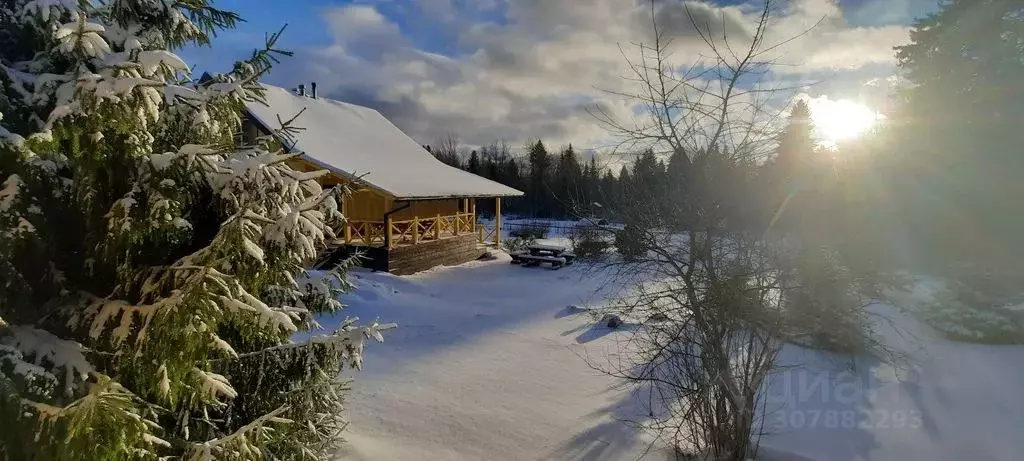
pixel 824 303
pixel 513 244
pixel 953 309
pixel 588 242
pixel 629 242
pixel 148 265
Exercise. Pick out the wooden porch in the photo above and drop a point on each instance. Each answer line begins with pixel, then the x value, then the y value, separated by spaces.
pixel 391 233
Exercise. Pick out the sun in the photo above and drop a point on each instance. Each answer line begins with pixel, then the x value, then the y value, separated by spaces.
pixel 840 120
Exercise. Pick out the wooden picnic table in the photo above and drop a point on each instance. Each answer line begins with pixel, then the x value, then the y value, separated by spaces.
pixel 555 255
pixel 539 249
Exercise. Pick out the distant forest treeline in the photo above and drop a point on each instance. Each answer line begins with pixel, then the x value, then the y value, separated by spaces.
pixel 562 184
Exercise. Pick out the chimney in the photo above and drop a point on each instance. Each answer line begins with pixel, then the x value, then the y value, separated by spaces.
pixel 312 89
pixel 302 89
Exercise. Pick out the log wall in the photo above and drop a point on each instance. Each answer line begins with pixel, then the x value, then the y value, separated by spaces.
pixel 449 252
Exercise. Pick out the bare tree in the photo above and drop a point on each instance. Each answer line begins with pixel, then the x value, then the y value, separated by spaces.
pixel 448 150
pixel 714 285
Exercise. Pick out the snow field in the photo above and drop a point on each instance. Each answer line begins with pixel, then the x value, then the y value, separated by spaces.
pixel 488 363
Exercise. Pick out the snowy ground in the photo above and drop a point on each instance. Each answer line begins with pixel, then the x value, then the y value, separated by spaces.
pixel 938 400
pixel 488 364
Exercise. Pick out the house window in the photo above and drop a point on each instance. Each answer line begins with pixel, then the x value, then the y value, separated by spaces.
pixel 248 134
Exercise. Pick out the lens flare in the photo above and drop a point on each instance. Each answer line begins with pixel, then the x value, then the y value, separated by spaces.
pixel 840 120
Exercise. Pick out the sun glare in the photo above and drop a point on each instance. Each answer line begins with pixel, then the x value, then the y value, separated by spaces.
pixel 840 120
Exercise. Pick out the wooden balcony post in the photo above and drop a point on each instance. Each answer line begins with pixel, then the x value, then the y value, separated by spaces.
pixel 415 230
pixel 390 236
pixel 497 221
pixel 437 228
pixel 348 232
pixel 472 210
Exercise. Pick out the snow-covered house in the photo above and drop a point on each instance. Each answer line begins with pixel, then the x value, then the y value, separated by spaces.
pixel 409 211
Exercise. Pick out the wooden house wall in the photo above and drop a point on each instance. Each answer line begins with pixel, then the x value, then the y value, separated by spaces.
pixel 366 205
pixel 450 251
pixel 426 209
pixel 363 204
pixel 327 180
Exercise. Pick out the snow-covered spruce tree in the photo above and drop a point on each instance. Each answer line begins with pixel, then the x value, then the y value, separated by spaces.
pixel 150 268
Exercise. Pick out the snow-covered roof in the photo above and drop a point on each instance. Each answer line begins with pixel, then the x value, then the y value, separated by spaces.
pixel 358 142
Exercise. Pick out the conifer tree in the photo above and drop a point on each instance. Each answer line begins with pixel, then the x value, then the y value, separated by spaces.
pixel 150 268
pixel 591 182
pixel 568 182
pixel 473 165
pixel 787 181
pixel 649 175
pixel 955 167
pixel 796 143
pixel 607 193
pixel 512 177
pixel 676 177
pixel 492 168
pixel 538 188
pixel 624 191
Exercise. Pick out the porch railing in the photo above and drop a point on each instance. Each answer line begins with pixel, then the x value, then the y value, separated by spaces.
pixel 484 234
pixel 392 233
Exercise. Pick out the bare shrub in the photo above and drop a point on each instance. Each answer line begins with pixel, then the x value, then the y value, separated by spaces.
pixel 712 299
pixel 709 340
pixel 533 230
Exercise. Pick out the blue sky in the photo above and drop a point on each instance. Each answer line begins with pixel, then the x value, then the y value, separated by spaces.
pixel 515 70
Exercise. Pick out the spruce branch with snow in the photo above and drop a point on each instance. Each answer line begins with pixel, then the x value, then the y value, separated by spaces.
pixel 151 270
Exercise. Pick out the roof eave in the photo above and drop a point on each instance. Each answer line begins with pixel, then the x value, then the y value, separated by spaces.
pixel 441 197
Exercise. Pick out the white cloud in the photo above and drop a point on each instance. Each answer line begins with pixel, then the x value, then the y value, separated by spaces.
pixel 356 21
pixel 534 74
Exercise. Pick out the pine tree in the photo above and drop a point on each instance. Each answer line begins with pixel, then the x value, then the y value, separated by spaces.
pixel 678 164
pixel 625 193
pixel 788 182
pixel 649 175
pixel 150 269
pixel 957 158
pixel 538 189
pixel 608 194
pixel 492 168
pixel 512 178
pixel 796 143
pixel 591 184
pixel 676 174
pixel 473 166
pixel 675 204
pixel 568 182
